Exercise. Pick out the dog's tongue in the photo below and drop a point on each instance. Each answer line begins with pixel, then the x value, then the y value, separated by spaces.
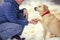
pixel 47 12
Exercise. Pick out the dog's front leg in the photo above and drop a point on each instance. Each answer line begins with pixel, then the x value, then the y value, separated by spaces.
pixel 44 34
pixel 51 35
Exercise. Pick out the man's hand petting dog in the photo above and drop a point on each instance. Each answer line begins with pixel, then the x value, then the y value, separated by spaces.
pixel 34 21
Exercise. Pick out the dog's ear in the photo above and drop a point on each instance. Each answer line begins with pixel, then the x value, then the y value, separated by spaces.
pixel 45 8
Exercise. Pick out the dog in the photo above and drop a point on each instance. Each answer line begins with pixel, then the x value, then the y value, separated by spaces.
pixel 49 21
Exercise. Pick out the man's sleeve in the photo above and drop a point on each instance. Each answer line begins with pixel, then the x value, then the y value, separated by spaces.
pixel 11 16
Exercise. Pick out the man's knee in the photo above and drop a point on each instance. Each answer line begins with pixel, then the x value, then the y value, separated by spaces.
pixel 10 29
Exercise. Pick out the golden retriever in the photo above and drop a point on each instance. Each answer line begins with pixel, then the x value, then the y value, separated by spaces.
pixel 49 21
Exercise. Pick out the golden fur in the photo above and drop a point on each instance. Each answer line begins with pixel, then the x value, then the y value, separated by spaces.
pixel 49 21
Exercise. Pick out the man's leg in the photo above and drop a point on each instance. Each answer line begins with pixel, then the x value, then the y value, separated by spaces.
pixel 9 29
pixel 17 36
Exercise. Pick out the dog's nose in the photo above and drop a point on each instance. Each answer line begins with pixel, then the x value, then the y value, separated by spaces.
pixel 35 8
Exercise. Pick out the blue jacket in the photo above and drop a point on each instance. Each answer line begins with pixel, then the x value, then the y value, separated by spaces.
pixel 9 12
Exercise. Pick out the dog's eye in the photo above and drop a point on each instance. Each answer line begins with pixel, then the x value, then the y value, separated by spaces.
pixel 39 6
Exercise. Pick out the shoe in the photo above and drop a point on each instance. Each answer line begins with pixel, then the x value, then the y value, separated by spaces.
pixel 16 37
pixel 22 38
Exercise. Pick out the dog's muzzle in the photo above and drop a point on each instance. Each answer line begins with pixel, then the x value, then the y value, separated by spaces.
pixel 37 8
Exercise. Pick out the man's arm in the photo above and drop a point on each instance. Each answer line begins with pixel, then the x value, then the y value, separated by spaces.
pixel 10 14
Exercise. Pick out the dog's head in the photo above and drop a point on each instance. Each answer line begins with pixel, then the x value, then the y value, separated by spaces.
pixel 41 8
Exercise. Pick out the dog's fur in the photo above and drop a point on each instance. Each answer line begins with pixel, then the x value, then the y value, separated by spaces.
pixel 49 21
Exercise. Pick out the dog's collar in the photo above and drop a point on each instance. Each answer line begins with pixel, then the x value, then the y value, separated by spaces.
pixel 47 12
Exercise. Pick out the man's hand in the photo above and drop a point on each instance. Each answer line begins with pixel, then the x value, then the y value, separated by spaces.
pixel 25 13
pixel 34 21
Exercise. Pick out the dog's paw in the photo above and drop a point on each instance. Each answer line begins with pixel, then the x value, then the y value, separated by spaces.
pixel 51 35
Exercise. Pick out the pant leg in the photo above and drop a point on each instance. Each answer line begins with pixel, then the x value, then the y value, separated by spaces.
pixel 9 29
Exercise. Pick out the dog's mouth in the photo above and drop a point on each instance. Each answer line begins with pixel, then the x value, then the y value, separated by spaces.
pixel 37 8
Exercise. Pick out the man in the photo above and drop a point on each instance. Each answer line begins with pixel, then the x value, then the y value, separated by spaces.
pixel 12 20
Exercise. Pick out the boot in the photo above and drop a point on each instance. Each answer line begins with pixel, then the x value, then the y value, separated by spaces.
pixel 17 37
pixel 22 38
